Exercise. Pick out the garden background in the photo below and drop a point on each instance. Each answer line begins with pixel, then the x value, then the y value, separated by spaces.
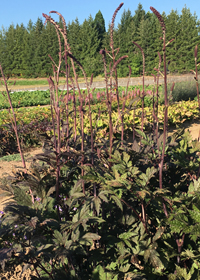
pixel 24 49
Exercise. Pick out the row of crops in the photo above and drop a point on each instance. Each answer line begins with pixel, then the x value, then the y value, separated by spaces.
pixel 41 97
pixel 34 119
pixel 35 100
pixel 177 114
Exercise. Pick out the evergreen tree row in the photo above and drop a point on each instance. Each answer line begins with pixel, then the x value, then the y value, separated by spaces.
pixel 24 50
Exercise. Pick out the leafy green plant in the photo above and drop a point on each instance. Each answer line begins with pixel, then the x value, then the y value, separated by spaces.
pixel 26 99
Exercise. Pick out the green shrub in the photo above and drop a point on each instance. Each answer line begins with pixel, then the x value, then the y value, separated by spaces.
pixel 183 91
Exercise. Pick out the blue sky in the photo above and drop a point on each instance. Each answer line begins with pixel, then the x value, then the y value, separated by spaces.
pixel 21 11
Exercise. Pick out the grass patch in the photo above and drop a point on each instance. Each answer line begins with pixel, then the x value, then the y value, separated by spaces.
pixel 43 81
pixel 30 82
pixel 14 157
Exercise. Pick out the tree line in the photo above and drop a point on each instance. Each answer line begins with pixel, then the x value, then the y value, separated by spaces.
pixel 24 50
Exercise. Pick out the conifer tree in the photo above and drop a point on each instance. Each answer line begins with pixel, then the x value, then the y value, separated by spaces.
pixel 17 67
pixel 51 47
pixel 149 39
pixel 125 37
pixel 99 24
pixel 187 40
pixel 173 30
pixel 2 47
pixel 75 41
pixel 39 58
pixel 89 47
pixel 29 50
pixel 138 16
pixel 8 55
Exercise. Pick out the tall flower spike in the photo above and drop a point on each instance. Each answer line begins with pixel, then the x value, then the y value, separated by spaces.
pixel 159 18
pixel 112 23
pixel 63 21
pixel 115 13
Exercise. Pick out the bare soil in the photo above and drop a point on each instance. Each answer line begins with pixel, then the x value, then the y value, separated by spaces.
pixel 16 274
pixel 192 126
pixel 10 167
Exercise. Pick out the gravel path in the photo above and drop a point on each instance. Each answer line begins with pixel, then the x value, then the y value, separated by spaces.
pixel 134 81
